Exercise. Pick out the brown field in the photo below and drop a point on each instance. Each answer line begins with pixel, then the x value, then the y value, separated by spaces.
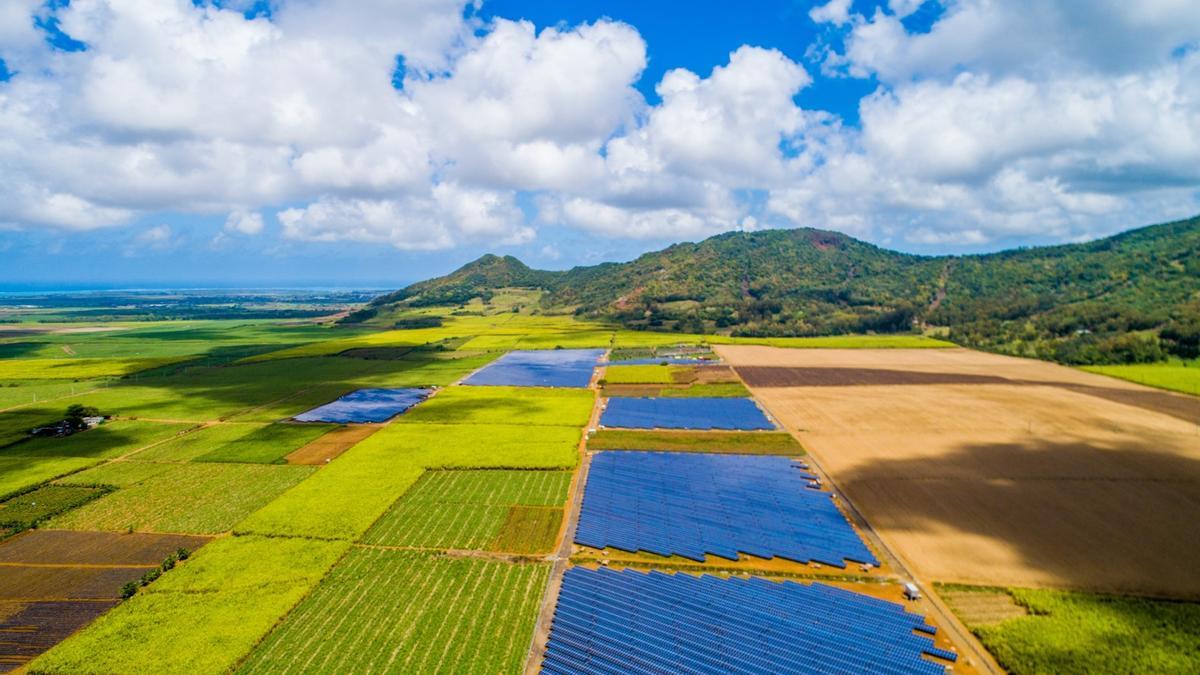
pixel 53 583
pixel 41 547
pixel 28 629
pixel 985 469
pixel 332 444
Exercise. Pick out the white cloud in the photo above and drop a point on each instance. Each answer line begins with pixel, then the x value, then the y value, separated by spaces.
pixel 451 215
pixel 244 222
pixel 157 238
pixel 836 12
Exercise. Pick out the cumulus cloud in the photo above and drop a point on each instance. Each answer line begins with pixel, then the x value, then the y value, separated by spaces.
pixel 1030 118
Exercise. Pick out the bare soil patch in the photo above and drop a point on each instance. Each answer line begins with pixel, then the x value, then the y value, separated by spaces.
pixel 37 626
pixel 40 547
pixel 327 447
pixel 1037 481
pixel 35 583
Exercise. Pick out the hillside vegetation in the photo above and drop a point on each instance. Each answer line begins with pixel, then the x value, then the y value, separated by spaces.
pixel 1131 298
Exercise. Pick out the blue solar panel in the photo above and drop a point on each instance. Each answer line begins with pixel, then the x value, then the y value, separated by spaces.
pixel 696 504
pixel 685 413
pixel 540 368
pixel 637 622
pixel 366 405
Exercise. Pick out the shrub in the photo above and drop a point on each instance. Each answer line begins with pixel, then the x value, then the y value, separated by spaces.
pixel 149 577
pixel 128 590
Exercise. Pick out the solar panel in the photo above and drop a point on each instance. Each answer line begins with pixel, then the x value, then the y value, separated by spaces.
pixel 366 405
pixel 609 621
pixel 685 413
pixel 540 368
pixel 696 504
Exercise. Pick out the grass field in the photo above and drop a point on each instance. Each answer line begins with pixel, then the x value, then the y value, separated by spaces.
pixel 735 442
pixel 647 374
pixel 1181 376
pixel 434 615
pixel 267 444
pixel 533 406
pixel 351 492
pixel 471 509
pixel 1082 633
pixel 27 510
pixel 109 440
pixel 186 498
pixel 203 616
pixel 78 369
pixel 19 473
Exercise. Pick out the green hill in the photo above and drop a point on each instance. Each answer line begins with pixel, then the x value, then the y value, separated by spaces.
pixel 1134 297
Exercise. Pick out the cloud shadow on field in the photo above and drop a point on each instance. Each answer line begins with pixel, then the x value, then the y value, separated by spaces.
pixel 1088 515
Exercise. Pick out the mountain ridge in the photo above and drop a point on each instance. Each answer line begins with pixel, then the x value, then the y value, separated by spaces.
pixel 1123 298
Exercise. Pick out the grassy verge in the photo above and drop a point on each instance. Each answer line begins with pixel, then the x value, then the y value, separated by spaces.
pixel 749 443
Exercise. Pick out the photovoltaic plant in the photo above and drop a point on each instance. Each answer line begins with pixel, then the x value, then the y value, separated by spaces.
pixel 366 405
pixel 609 621
pixel 685 413
pixel 694 504
pixel 540 368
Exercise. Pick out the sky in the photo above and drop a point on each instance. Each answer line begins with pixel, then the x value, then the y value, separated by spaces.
pixel 374 143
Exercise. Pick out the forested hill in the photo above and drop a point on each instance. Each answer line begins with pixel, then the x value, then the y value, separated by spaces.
pixel 1131 297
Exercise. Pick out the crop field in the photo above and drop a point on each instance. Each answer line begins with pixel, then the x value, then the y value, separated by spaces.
pixel 1181 376
pixel 109 440
pixel 475 510
pixel 957 461
pixel 733 442
pixel 18 473
pixel 203 616
pixel 648 374
pixel 186 498
pixel 435 614
pixel 532 406
pixel 267 444
pixel 77 369
pixel 330 445
pixel 27 510
pixel 1065 632
pixel 345 497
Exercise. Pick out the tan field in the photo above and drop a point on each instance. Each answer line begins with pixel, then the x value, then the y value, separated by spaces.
pixel 979 468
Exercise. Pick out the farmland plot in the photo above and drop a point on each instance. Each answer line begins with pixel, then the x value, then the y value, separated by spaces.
pixel 474 509
pixel 435 614
pixel 531 406
pixel 186 498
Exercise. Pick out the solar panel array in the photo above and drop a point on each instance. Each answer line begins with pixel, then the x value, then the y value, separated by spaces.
pixel 366 405
pixel 693 504
pixel 685 413
pixel 636 622
pixel 540 368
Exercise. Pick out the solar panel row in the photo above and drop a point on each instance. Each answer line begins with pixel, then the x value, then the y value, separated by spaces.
pixel 540 368
pixel 685 413
pixel 695 504
pixel 366 405
pixel 635 622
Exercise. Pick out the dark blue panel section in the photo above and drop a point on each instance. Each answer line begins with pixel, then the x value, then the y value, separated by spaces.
pixel 366 405
pixel 638 622
pixel 684 413
pixel 540 368
pixel 694 504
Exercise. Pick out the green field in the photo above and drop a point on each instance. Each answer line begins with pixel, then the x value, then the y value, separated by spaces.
pixel 470 509
pixel 18 473
pixel 531 406
pixel 434 615
pixel 646 374
pixel 186 498
pixel 266 444
pixel 29 509
pixel 78 369
pixel 107 441
pixel 734 442
pixel 346 496
pixel 203 616
pixel 1181 376
pixel 1068 632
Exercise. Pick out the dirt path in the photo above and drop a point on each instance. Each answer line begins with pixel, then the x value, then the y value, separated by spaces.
pixel 541 633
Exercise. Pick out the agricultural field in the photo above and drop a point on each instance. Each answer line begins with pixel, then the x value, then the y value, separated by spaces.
pixel 647 374
pixel 29 509
pixel 107 441
pixel 77 369
pixel 203 616
pixel 531 406
pixel 185 498
pixel 1065 632
pixel 482 510
pixel 1181 376
pixel 436 614
pixel 733 442
pixel 18 474
pixel 955 457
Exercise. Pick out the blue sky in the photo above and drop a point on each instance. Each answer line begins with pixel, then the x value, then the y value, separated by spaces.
pixel 187 142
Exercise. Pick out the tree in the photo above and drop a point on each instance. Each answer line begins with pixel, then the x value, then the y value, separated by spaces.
pixel 76 412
